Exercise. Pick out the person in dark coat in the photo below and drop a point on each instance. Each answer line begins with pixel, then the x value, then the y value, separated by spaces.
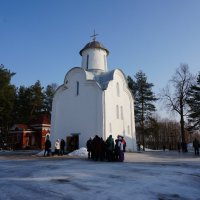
pixel 97 147
pixel 116 150
pixel 89 147
pixel 62 147
pixel 103 149
pixel 196 146
pixel 47 147
pixel 109 148
pixel 138 146
pixel 164 147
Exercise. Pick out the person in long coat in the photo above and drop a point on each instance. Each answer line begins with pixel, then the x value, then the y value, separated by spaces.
pixel 97 147
pixel 103 149
pixel 62 147
pixel 89 147
pixel 109 148
pixel 47 147
pixel 116 150
pixel 196 146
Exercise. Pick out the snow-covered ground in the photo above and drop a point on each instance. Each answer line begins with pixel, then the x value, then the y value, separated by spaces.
pixel 143 176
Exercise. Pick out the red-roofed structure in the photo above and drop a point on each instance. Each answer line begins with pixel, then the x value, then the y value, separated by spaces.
pixel 32 135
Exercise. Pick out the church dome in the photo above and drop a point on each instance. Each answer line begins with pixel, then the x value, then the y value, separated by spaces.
pixel 95 45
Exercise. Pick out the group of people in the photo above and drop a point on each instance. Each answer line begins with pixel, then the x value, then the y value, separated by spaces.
pixel 183 146
pixel 59 147
pixel 98 149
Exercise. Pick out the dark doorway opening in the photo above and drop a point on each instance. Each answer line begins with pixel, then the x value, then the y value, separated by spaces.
pixel 72 142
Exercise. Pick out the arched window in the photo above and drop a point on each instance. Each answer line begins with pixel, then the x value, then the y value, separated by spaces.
pixel 87 62
pixel 117 111
pixel 77 88
pixel 122 115
pixel 117 87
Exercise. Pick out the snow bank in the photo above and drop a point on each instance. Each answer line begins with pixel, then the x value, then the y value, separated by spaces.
pixel 2 150
pixel 41 153
pixel 146 149
pixel 80 152
pixel 190 147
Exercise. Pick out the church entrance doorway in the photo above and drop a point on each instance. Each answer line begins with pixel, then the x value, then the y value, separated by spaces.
pixel 72 142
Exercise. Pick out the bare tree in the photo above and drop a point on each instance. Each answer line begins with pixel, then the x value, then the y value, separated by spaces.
pixel 177 100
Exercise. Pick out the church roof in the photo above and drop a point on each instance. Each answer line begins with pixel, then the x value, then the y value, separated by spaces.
pixel 94 44
pixel 101 78
pixel 104 78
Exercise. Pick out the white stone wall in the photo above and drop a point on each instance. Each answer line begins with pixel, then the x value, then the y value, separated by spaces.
pixel 118 95
pixel 97 59
pixel 77 114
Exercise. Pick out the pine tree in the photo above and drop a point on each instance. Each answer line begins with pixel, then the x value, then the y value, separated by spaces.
pixel 37 98
pixel 23 104
pixel 131 85
pixel 7 99
pixel 194 104
pixel 144 99
pixel 49 93
pixel 29 102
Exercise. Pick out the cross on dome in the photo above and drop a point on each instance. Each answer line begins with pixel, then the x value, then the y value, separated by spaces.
pixel 94 36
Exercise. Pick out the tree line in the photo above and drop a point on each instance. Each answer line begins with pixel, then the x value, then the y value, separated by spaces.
pixel 181 95
pixel 20 104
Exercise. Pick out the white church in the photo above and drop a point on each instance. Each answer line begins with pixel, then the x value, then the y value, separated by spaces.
pixel 93 101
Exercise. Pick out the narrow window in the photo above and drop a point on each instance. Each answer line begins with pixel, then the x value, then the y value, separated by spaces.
pixel 87 62
pixel 117 111
pixel 122 115
pixel 118 94
pixel 77 88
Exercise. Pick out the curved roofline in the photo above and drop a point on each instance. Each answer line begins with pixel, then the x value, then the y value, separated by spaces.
pixel 80 68
pixel 89 76
pixel 85 72
pixel 93 45
pixel 125 81
pixel 121 72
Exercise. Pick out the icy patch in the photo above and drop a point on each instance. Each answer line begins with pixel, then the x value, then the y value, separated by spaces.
pixel 80 152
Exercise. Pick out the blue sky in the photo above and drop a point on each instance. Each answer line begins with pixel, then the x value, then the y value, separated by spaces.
pixel 41 39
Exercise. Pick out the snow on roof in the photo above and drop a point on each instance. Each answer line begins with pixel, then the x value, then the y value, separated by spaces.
pixel 102 78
